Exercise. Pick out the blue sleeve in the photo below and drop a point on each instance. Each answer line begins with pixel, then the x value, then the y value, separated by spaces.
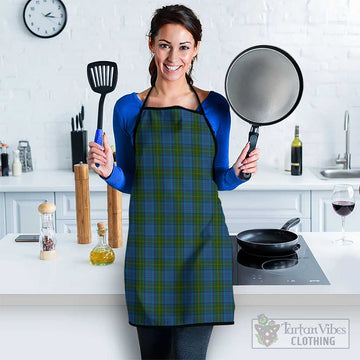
pixel 126 111
pixel 217 111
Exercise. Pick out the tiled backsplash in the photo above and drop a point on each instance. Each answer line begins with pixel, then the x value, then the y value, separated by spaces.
pixel 43 82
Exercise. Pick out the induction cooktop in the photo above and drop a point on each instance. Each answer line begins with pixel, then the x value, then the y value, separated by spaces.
pixel 297 268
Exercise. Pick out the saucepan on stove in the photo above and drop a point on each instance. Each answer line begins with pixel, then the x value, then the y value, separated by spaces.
pixel 270 241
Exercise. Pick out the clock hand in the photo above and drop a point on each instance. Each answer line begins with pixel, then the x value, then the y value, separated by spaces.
pixel 48 15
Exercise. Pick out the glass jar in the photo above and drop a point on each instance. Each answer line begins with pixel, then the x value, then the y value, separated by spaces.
pixel 102 253
pixel 47 239
pixel 16 165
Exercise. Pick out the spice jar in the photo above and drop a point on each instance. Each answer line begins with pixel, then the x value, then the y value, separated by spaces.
pixel 47 233
pixel 102 253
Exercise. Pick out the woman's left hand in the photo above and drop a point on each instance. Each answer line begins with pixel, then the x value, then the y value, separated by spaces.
pixel 248 165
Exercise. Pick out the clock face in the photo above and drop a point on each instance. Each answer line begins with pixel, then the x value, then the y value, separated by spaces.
pixel 45 18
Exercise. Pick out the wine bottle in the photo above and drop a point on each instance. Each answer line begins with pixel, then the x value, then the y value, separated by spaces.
pixel 4 161
pixel 296 154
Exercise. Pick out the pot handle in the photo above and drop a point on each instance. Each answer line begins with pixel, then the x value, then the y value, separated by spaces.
pixel 291 223
pixel 296 247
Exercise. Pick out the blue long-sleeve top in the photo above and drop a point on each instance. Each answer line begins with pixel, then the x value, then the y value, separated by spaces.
pixel 126 112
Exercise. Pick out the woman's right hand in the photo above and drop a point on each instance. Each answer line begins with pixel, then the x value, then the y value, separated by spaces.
pixel 102 156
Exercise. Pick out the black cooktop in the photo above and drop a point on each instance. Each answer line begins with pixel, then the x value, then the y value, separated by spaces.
pixel 297 268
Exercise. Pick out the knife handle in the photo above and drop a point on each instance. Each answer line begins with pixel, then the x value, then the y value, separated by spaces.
pixel 81 122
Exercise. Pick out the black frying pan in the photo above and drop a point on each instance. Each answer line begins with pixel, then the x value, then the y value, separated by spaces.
pixel 270 241
pixel 263 85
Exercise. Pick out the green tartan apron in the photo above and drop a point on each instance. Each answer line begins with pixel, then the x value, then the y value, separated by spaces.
pixel 178 264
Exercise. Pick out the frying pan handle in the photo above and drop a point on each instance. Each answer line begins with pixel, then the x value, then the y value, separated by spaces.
pixel 253 137
pixel 291 223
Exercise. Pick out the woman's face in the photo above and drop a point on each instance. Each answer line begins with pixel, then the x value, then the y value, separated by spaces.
pixel 173 49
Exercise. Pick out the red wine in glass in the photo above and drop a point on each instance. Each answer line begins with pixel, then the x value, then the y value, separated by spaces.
pixel 343 208
pixel 343 203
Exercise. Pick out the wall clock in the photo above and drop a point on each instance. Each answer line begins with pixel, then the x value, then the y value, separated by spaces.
pixel 45 18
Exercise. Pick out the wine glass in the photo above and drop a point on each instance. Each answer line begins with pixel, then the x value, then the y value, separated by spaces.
pixel 343 203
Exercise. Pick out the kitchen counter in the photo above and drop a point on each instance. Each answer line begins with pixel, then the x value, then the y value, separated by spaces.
pixel 72 280
pixel 48 180
pixel 76 298
pixel 265 179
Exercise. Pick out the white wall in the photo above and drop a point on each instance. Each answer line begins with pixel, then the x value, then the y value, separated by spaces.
pixel 43 82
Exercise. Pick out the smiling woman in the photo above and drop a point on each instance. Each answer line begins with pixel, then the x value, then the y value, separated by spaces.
pixel 190 28
pixel 172 143
pixel 174 51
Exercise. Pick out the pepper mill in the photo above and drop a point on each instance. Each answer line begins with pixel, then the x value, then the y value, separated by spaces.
pixel 47 233
pixel 82 197
pixel 114 210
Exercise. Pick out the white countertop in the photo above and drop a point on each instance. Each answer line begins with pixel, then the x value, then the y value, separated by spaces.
pixel 47 180
pixel 265 179
pixel 23 273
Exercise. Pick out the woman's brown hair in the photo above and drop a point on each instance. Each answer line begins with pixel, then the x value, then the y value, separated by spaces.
pixel 174 14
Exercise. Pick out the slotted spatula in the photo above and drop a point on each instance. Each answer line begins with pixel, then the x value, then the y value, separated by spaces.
pixel 102 76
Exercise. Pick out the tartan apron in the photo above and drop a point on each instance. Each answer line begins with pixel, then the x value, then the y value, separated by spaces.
pixel 178 263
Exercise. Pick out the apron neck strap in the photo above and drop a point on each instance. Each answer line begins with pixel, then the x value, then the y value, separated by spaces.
pixel 192 89
pixel 146 98
pixel 198 99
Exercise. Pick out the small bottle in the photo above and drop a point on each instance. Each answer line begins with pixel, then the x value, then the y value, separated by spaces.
pixel 47 233
pixel 296 154
pixel 4 161
pixel 102 253
pixel 16 165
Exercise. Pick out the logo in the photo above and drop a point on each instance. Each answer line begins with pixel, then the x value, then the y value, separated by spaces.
pixel 300 333
pixel 266 330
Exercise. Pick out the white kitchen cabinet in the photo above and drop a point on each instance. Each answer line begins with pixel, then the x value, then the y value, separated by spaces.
pixel 243 210
pixel 69 226
pixel 324 217
pixel 66 211
pixel 2 216
pixel 265 209
pixel 66 205
pixel 22 214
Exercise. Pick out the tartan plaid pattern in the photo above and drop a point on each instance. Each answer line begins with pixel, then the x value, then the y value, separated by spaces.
pixel 178 267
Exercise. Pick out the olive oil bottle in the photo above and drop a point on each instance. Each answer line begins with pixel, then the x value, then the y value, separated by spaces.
pixel 102 253
pixel 296 154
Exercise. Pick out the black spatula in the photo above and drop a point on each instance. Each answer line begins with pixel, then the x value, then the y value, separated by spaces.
pixel 102 76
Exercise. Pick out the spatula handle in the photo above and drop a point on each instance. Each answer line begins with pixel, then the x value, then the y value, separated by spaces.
pixel 99 139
